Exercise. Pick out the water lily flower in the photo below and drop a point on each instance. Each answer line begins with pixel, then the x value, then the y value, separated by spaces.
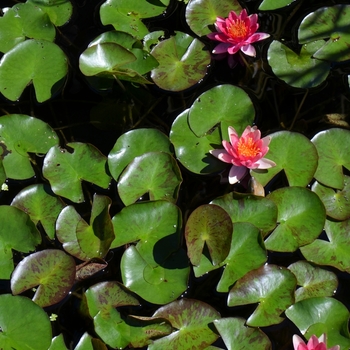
pixel 237 33
pixel 314 343
pixel 245 152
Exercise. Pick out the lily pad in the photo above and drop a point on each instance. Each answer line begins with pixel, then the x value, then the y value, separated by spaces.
pixel 58 343
pixel 65 170
pixel 285 149
pixel 183 62
pixel 299 70
pixel 301 217
pixel 332 156
pixel 21 321
pixel 87 342
pixel 192 319
pixel 211 225
pixel 40 62
pixel 328 23
pixel 268 5
pixel 272 287
pixel 314 281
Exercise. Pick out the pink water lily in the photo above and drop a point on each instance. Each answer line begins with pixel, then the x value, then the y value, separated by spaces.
pixel 237 33
pixel 314 343
pixel 245 152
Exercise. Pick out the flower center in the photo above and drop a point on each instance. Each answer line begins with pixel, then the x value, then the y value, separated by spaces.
pixel 247 147
pixel 238 30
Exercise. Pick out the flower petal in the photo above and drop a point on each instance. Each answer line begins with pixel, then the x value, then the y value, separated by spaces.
pixel 249 50
pixel 221 48
pixel 298 342
pixel 264 163
pixel 222 155
pixel 236 173
pixel 257 37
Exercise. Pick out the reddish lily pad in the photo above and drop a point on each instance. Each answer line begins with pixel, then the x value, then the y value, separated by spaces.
pixel 53 270
pixel 211 225
pixel 192 319
pixel 272 287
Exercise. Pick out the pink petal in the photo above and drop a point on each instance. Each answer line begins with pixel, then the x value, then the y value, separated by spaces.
pixel 297 342
pixel 233 16
pixel 236 173
pixel 222 155
pixel 336 347
pixel 234 49
pixel 253 19
pixel 221 48
pixel 243 15
pixel 249 50
pixel 247 130
pixel 232 133
pixel 257 37
pixel 264 163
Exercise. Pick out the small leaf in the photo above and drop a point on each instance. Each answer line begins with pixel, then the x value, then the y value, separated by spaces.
pixel 87 342
pixel 58 343
pixel 268 5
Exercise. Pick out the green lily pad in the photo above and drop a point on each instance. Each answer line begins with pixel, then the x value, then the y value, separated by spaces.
pixel 237 336
pixel 65 170
pixel 328 22
pixel 58 343
pixel 214 107
pixel 21 321
pixel 299 70
pixel 301 217
pixel 21 134
pixel 332 156
pixel 40 62
pixel 193 151
pixel 268 5
pixel 314 281
pixel 192 319
pixel 155 173
pixel 328 312
pixel 272 287
pixel 200 14
pixel 335 201
pixel 259 211
pixel 40 204
pixel 211 225
pixel 51 269
pixel 285 149
pixel 183 62
pixel 24 237
pixel 126 15
pixel 335 251
pixel 135 143
pixel 87 342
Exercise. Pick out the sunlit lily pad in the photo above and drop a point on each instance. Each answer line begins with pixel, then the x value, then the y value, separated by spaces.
pixel 21 321
pixel 192 319
pixel 299 70
pixel 314 281
pixel 268 5
pixel 87 342
pixel 301 216
pixel 332 156
pixel 58 343
pixel 335 251
pixel 272 287
pixel 328 23
pixel 183 62
pixel 285 149
pixel 52 270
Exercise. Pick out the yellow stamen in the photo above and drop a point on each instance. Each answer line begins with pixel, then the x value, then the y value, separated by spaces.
pixel 247 147
pixel 238 29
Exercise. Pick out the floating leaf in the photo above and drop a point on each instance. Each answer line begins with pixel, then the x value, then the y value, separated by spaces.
pixel 89 268
pixel 21 321
pixel 53 270
pixel 299 70
pixel 268 5
pixel 272 287
pixel 58 343
pixel 65 169
pixel 301 216
pixel 192 319
pixel 183 62
pixel 87 342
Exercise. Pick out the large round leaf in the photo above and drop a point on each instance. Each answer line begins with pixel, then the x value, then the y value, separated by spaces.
pixel 53 270
pixel 21 134
pixel 183 62
pixel 299 70
pixel 21 321
pixel 301 216
pixel 41 62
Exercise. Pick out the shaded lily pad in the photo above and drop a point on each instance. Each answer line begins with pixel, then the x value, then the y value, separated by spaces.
pixel 192 319
pixel 332 156
pixel 237 336
pixel 268 5
pixel 314 281
pixel 65 170
pixel 155 173
pixel 299 70
pixel 51 269
pixel 40 204
pixel 211 225
pixel 301 216
pixel 21 134
pixel 335 251
pixel 21 321
pixel 183 62
pixel 40 62
pixel 285 149
pixel 58 343
pixel 272 287
pixel 328 22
